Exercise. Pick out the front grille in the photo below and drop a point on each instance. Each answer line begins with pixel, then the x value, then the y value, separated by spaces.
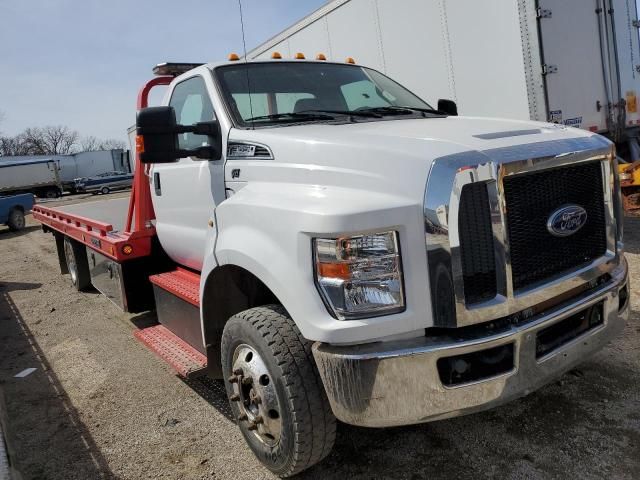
pixel 530 199
pixel 476 244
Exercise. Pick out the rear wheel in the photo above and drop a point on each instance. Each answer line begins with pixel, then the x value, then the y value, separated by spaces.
pixel 275 390
pixel 77 263
pixel 16 220
pixel 51 193
pixel 105 190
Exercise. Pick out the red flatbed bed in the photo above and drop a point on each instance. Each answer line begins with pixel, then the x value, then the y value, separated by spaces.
pixel 100 225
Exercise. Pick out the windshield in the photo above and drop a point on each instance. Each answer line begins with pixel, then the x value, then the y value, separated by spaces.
pixel 262 94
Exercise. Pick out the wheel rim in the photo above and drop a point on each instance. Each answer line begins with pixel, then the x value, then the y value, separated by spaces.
pixel 18 220
pixel 105 191
pixel 71 262
pixel 254 392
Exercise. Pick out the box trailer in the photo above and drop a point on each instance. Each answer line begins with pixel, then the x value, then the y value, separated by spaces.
pixel 574 62
pixel 39 177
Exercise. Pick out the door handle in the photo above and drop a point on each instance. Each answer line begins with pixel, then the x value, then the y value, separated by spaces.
pixel 156 183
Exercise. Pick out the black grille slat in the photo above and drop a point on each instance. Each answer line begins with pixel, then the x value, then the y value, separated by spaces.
pixel 476 244
pixel 261 151
pixel 530 199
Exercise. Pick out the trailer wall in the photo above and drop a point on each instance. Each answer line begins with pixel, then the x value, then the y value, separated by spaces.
pixel 575 62
pixel 464 50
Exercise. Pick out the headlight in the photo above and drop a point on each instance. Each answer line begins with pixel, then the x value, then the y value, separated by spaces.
pixel 360 276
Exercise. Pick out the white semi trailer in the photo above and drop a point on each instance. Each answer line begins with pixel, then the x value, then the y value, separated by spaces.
pixel 575 62
pixel 40 177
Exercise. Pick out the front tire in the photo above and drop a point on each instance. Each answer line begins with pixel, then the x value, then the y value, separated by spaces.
pixel 16 220
pixel 77 263
pixel 105 190
pixel 275 390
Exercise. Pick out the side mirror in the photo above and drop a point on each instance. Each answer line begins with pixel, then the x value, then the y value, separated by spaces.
pixel 448 106
pixel 158 131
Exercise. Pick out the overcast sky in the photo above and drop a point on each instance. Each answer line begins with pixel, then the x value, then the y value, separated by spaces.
pixel 80 62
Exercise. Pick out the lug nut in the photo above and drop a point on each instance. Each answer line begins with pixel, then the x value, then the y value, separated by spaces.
pixel 252 426
pixel 235 397
pixel 237 371
pixel 242 417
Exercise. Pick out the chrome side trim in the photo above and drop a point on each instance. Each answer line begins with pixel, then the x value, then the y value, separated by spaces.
pixel 255 145
pixel 397 383
pixel 441 201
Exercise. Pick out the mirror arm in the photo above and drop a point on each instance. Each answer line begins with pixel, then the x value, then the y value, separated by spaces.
pixel 201 128
pixel 207 152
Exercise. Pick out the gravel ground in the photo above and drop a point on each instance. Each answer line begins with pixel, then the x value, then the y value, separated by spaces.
pixel 99 405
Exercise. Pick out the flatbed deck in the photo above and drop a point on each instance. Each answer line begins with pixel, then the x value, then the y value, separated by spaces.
pixel 110 211
pixel 100 225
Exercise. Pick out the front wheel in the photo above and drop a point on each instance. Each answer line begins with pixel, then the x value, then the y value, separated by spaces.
pixel 275 390
pixel 105 190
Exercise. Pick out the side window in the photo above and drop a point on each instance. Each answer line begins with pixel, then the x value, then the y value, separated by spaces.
pixel 363 94
pixel 192 105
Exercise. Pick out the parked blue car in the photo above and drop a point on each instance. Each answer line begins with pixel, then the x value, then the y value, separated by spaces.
pixel 14 208
pixel 104 182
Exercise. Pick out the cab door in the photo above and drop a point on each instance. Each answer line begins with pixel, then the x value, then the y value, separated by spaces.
pixel 184 193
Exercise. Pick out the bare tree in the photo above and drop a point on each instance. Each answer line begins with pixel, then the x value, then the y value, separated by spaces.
pixel 13 146
pixel 54 140
pixel 112 144
pixel 89 144
pixel 60 139
pixel 50 140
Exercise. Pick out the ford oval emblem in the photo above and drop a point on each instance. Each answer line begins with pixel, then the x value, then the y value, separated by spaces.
pixel 566 220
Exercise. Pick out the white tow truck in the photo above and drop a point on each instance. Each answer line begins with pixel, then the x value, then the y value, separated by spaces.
pixel 333 247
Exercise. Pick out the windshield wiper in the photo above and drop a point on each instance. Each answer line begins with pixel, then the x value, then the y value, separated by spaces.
pixel 396 110
pixel 351 113
pixel 292 116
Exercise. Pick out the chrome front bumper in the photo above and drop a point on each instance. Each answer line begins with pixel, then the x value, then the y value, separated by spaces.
pixel 397 383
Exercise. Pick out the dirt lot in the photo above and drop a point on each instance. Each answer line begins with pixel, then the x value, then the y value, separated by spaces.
pixel 100 405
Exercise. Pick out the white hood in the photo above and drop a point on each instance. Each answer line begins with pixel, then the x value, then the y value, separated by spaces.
pixel 390 157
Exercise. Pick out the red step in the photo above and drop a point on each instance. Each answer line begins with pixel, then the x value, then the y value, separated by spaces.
pixel 180 282
pixel 184 359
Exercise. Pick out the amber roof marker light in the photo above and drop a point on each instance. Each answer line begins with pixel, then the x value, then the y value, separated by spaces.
pixel 321 56
pixel 233 57
pixel 276 55
pixel 299 56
